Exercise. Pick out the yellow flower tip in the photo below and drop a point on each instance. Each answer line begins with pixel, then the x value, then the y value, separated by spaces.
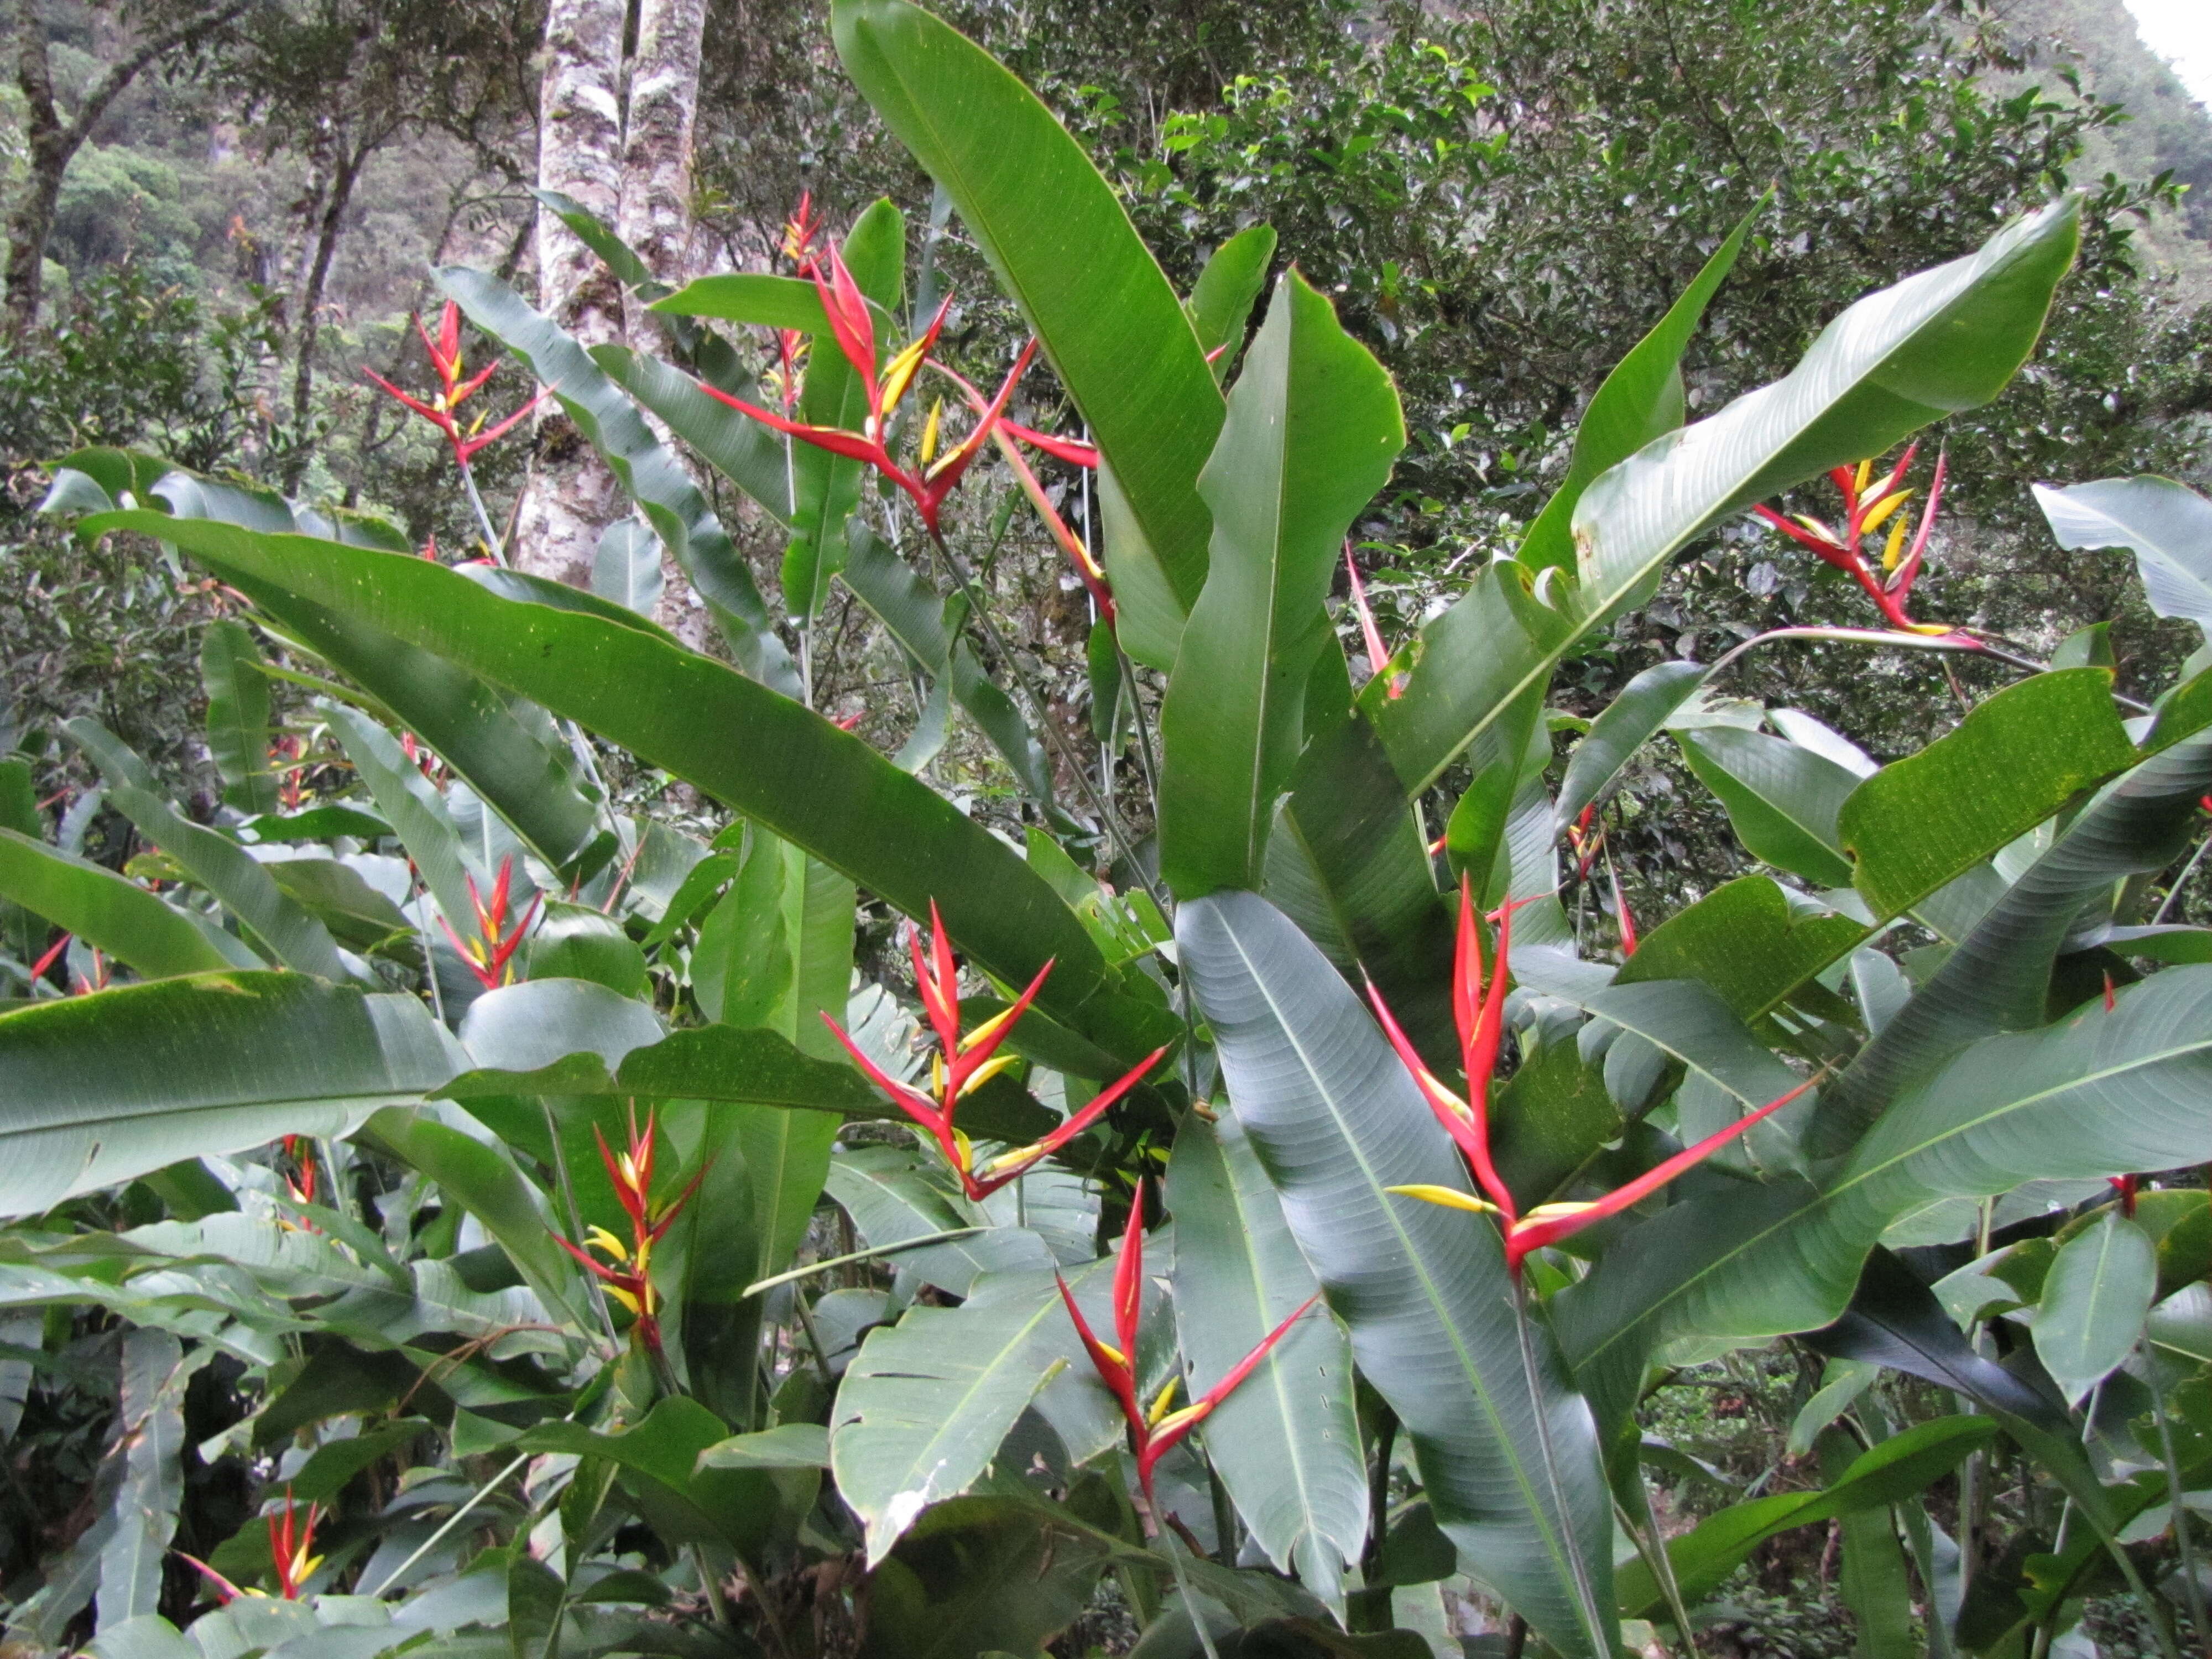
pixel 1449 1197
pixel 1113 1354
pixel 1866 472
pixel 899 373
pixel 929 431
pixel 1160 1404
pixel 967 1150
pixel 990 1027
pixel 1008 1160
pixel 1889 554
pixel 1175 1420
pixel 1933 630
pixel 600 1238
pixel 1816 527
pixel 623 1296
pixel 304 1567
pixel 989 1069
pixel 1881 511
pixel 1554 1211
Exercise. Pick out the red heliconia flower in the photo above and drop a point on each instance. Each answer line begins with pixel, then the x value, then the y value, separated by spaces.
pixel 1155 1430
pixel 1479 1009
pixel 489 956
pixel 291 1547
pixel 285 751
pixel 1376 655
pixel 1865 511
pixel 1620 910
pixel 302 1151
pixel 2124 1188
pixel 1088 568
pixel 53 953
pixel 629 1280
pixel 854 329
pixel 1585 840
pixel 963 1065
pixel 455 389
pixel 800 230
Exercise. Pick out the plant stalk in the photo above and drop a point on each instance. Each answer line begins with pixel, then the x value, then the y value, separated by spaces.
pixel 2185 1546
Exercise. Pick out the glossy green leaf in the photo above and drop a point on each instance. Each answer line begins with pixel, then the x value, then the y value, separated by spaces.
pixel 1286 1442
pixel 1628 722
pixel 893 1197
pixel 2095 1300
pixel 416 811
pixel 1228 286
pixel 2167 525
pixel 238 716
pixel 1062 246
pixel 982 1576
pixel 2014 761
pixel 1641 399
pixel 1313 428
pixel 113 1085
pixel 1782 800
pixel 1747 941
pixel 626 569
pixel 150 1439
pixel 1424 1292
pixel 774 760
pixel 575 941
pixel 114 914
pixel 217 863
pixel 655 479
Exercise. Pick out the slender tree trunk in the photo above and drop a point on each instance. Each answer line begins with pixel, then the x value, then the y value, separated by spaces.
pixel 51 142
pixel 570 496
pixel 342 180
pixel 655 216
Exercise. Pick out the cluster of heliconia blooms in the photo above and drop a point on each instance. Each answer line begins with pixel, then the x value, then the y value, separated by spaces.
pixel 491 955
pixel 291 1551
pixel 628 1279
pixel 456 387
pixel 1155 1428
pixel 961 1065
pixel 934 476
pixel 1479 984
pixel 1867 505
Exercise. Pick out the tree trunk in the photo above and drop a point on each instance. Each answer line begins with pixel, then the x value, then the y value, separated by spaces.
pixel 655 216
pixel 50 144
pixel 570 496
pixel 342 180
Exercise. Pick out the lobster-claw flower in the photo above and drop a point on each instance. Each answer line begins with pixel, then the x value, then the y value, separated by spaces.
pixel 456 387
pixel 1869 504
pixel 1478 1009
pixel 627 1276
pixel 491 955
pixel 1155 1429
pixel 963 1064
pixel 291 1550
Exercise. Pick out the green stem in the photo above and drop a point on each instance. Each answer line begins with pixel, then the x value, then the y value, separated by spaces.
pixel 869 1255
pixel 2181 881
pixel 452 1521
pixel 1182 1588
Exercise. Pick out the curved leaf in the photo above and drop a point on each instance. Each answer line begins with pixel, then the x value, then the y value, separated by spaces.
pixel 2094 1299
pixel 776 762
pixel 1063 246
pixel 1313 427
pixel 1287 1441
pixel 1221 300
pixel 112 912
pixel 1628 722
pixel 1424 1292
pixel 2167 525
pixel 107 1087
pixel 1782 800
pixel 238 716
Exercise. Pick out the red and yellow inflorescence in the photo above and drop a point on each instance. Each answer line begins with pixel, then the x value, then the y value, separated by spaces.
pixel 455 387
pixel 627 1274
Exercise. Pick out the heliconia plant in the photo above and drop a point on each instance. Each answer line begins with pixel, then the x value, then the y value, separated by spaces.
pixel 819 1348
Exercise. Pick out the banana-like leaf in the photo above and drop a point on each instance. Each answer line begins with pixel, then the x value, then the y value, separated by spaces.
pixel 216 862
pixel 778 763
pixel 1782 800
pixel 1313 428
pixel 112 1086
pixel 150 1439
pixel 1749 942
pixel 1512 1471
pixel 655 479
pixel 238 716
pixel 1287 1441
pixel 1221 300
pixel 892 1199
pixel 1063 247
pixel 1628 722
pixel 2167 525
pixel 2095 1300
pixel 416 811
pixel 1945 340
pixel 1641 399
pixel 741 449
pixel 112 912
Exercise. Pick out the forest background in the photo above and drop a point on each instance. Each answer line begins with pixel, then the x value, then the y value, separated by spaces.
pixel 221 212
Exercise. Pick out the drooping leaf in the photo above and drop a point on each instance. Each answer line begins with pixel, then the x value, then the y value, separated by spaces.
pixel 1336 1120
pixel 1782 800
pixel 1313 427
pixel 1629 722
pixel 238 716
pixel 113 1085
pixel 2167 525
pixel 626 569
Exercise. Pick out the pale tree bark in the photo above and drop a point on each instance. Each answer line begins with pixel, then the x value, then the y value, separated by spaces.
pixel 571 496
pixel 655 213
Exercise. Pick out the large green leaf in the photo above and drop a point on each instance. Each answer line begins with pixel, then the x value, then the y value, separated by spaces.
pixel 238 716
pixel 892 1198
pixel 1782 800
pixel 747 453
pixel 655 479
pixel 215 862
pixel 112 912
pixel 1513 1476
pixel 1641 399
pixel 1945 340
pixel 777 763
pixel 1313 427
pixel 1286 1442
pixel 1222 298
pixel 2013 761
pixel 415 812
pixel 1628 722
pixel 982 1575
pixel 1062 245
pixel 2167 525
pixel 2090 1315
pixel 107 1087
